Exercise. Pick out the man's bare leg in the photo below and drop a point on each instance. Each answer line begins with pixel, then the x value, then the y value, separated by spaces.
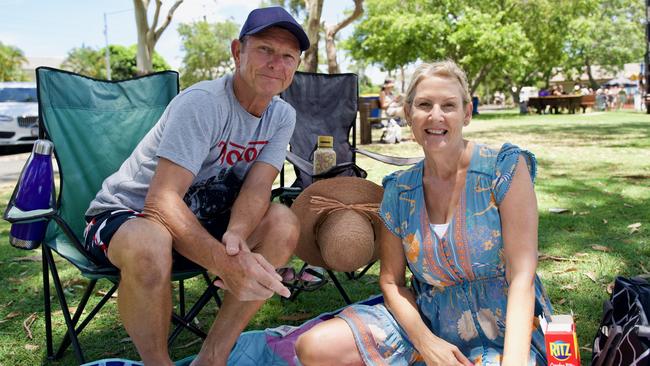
pixel 142 250
pixel 275 238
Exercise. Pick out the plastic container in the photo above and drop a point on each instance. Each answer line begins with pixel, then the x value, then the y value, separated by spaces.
pixel 35 192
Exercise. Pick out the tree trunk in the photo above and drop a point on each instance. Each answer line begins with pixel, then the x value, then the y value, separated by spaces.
pixel 330 39
pixel 314 7
pixel 479 78
pixel 592 83
pixel 149 35
pixel 514 93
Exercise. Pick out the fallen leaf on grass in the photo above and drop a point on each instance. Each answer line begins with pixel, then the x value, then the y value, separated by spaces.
pixel 125 340
pixel 610 288
pixel 643 268
pixel 59 312
pixel 561 301
pixel 568 287
pixel 605 221
pixel 586 349
pixel 74 282
pixel 591 275
pixel 581 254
pixel 198 340
pixel 558 210
pixel 543 257
pixel 627 205
pixel 31 347
pixel 601 248
pixel 570 269
pixel 103 293
pixel 297 316
pixel 31 258
pixel 12 315
pixel 16 281
pixel 634 227
pixel 27 324
pixel 582 213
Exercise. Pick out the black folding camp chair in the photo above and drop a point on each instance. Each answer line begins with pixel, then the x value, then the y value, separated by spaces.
pixel 326 104
pixel 94 125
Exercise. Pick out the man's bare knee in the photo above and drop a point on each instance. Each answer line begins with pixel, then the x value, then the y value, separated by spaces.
pixel 280 230
pixel 142 250
pixel 283 223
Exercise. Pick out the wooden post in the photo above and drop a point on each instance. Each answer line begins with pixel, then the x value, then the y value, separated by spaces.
pixel 364 124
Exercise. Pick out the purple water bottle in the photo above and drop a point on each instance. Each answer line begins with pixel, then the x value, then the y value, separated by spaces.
pixel 35 192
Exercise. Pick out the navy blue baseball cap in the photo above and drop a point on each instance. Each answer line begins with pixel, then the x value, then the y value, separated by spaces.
pixel 275 16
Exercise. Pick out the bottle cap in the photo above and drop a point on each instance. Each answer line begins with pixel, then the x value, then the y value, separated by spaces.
pixel 325 141
pixel 43 147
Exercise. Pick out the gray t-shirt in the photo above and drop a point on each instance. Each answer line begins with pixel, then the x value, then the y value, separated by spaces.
pixel 206 131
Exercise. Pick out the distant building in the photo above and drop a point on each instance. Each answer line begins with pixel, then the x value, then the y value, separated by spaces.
pixel 29 68
pixel 632 71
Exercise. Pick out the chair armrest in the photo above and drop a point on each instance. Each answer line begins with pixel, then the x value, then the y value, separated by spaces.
pixel 307 168
pixel 300 163
pixel 14 214
pixel 393 160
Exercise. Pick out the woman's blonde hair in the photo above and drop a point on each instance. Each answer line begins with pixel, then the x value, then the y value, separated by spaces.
pixel 446 69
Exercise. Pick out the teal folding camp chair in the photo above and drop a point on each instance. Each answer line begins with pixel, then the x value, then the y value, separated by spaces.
pixel 94 126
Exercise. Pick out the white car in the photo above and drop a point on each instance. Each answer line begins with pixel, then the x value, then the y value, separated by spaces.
pixel 18 113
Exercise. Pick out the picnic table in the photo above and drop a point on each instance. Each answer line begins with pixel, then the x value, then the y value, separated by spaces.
pixel 557 102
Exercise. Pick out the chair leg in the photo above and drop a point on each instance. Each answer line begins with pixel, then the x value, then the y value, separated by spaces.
pixel 181 297
pixel 47 307
pixel 75 318
pixel 65 343
pixel 186 321
pixel 344 294
pixel 64 305
pixel 212 288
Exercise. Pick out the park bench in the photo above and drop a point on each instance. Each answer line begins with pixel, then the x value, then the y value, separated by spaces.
pixel 588 100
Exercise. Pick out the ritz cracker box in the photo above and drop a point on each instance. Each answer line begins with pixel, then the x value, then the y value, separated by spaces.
pixel 561 340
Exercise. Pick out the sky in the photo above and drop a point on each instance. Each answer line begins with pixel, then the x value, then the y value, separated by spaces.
pixel 51 28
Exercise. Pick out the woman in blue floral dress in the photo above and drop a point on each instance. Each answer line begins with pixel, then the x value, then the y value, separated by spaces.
pixel 464 221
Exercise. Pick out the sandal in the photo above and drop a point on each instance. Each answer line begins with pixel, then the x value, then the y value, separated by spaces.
pixel 309 278
pixel 288 274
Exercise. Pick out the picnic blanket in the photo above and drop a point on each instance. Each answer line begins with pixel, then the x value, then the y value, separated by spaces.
pixel 272 346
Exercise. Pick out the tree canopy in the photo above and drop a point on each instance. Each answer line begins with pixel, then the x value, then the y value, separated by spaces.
pixel 207 50
pixel 87 61
pixel 501 43
pixel 11 61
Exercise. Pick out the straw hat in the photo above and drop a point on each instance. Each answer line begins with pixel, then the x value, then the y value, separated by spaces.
pixel 339 223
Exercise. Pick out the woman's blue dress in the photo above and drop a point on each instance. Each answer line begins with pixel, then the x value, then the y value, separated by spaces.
pixel 458 279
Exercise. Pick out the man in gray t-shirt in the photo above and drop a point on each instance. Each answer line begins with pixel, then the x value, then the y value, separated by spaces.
pixel 199 184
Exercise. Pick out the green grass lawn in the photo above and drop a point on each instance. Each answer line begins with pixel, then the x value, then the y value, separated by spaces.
pixel 596 166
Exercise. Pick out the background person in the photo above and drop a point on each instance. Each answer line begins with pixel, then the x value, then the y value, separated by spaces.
pixel 464 220
pixel 198 184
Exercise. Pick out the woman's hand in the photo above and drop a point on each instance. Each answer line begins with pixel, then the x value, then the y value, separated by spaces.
pixel 438 352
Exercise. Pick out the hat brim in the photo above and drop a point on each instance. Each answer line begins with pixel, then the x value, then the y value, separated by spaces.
pixel 297 31
pixel 347 190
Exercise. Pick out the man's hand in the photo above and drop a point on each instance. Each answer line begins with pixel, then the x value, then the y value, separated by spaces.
pixel 233 243
pixel 248 276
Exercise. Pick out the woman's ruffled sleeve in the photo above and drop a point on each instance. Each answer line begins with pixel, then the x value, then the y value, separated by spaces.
pixel 506 167
pixel 389 209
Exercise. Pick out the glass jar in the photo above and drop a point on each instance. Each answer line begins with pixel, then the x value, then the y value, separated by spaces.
pixel 324 155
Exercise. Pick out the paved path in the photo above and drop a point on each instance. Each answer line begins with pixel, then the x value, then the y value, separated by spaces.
pixel 11 166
